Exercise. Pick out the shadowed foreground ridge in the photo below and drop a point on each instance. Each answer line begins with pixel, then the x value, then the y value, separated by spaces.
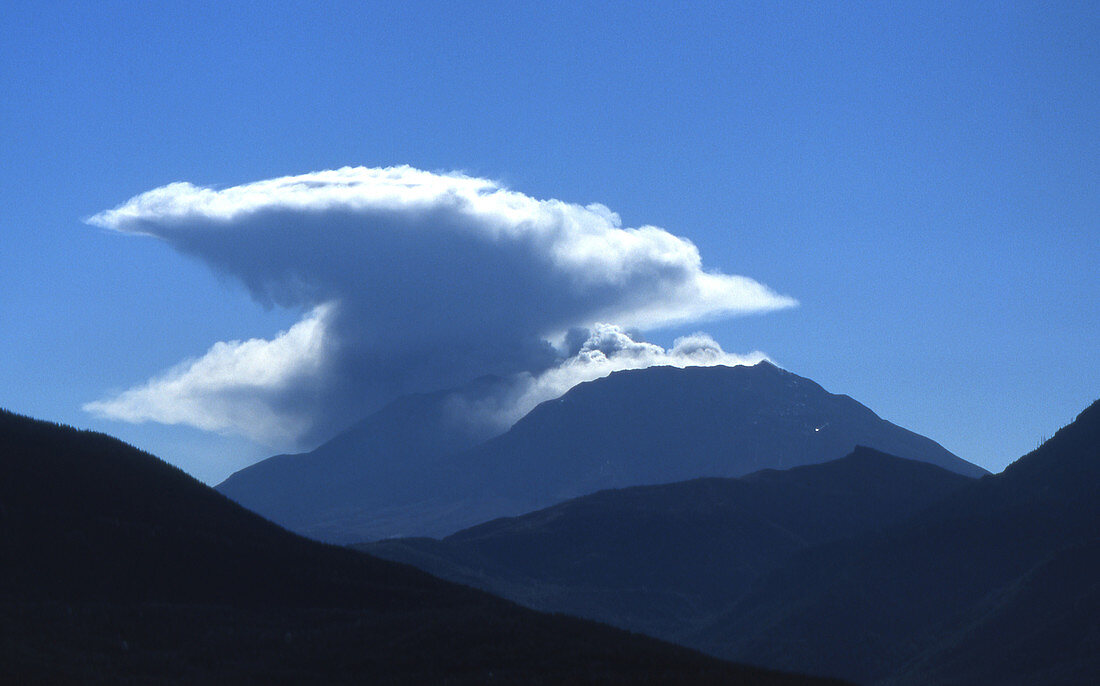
pixel 117 567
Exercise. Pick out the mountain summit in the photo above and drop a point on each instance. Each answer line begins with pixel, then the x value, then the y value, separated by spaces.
pixel 637 427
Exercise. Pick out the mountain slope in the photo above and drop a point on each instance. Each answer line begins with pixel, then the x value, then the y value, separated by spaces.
pixel 1032 631
pixel 973 573
pixel 386 460
pixel 662 559
pixel 119 568
pixel 648 426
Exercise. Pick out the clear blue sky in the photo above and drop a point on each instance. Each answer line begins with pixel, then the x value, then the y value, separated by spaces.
pixel 922 177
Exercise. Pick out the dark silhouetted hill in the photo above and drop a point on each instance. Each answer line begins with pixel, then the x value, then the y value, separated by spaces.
pixel 640 427
pixel 997 583
pixel 117 568
pixel 664 559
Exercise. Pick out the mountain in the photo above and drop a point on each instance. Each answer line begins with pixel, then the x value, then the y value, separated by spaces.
pixel 117 568
pixel 355 480
pixel 997 583
pixel 663 559
pixel 648 426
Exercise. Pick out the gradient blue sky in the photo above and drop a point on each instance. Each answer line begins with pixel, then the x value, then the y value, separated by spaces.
pixel 922 177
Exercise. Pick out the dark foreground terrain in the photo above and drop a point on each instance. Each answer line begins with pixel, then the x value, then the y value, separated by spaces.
pixel 117 568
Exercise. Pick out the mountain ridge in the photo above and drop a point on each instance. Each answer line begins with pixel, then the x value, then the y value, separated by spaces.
pixel 119 568
pixel 633 427
pixel 967 552
pixel 658 559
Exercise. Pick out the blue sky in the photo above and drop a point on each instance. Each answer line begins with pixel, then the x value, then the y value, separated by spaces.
pixel 922 178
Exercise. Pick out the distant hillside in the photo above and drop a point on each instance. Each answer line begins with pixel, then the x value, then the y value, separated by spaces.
pixel 998 583
pixel 649 426
pixel 384 462
pixel 117 568
pixel 664 559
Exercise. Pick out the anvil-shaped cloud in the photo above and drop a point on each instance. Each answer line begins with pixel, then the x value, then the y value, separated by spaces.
pixel 411 281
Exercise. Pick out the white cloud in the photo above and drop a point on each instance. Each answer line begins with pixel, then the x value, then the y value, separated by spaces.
pixel 423 281
pixel 236 387
pixel 607 349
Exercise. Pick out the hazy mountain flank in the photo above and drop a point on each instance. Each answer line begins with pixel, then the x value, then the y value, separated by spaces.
pixel 665 559
pixel 650 426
